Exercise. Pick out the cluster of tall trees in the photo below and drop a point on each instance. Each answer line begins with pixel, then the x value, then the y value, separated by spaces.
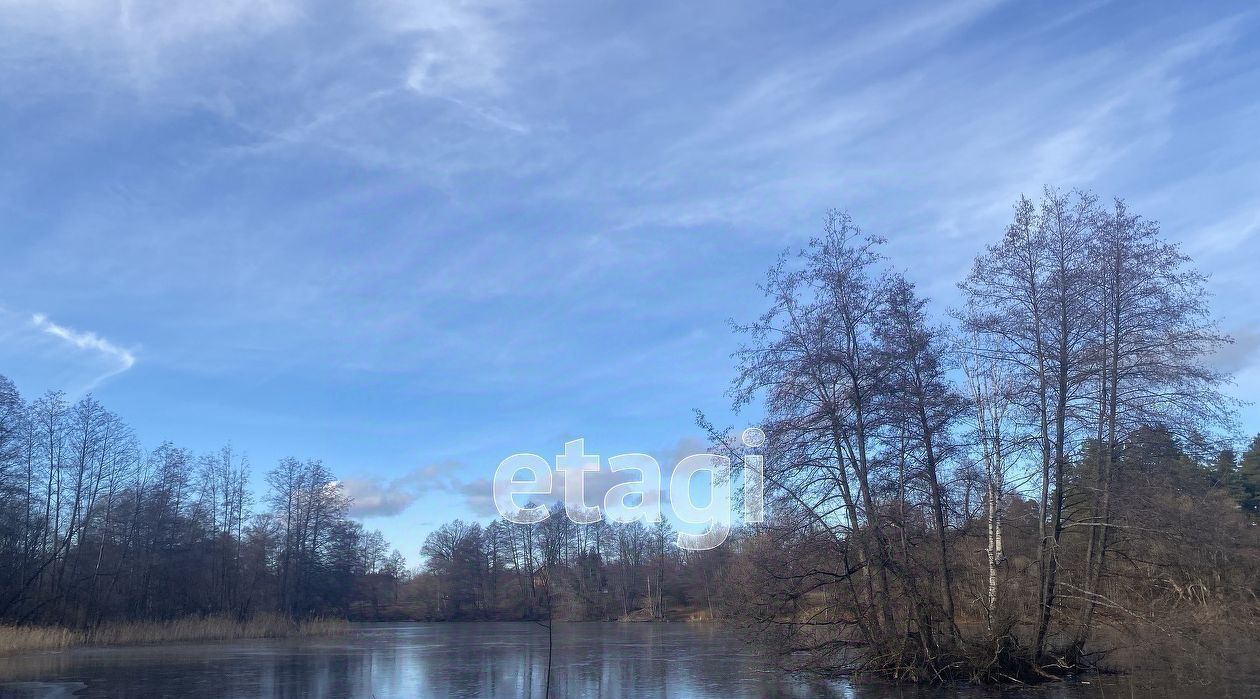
pixel 93 527
pixel 975 499
pixel 1241 477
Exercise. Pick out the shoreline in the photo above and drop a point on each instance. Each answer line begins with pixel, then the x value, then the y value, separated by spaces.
pixel 21 639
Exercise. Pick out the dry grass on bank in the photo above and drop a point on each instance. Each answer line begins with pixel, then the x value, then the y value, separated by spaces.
pixel 1211 647
pixel 17 639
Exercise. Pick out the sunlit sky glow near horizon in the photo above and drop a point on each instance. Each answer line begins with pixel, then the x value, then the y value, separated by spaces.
pixel 412 238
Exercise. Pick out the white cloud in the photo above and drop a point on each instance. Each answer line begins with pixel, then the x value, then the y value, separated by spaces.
pixel 139 44
pixel 379 497
pixel 1240 355
pixel 458 47
pixel 957 133
pixel 120 358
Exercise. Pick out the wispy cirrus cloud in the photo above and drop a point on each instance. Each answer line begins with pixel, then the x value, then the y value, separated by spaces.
pixel 149 47
pixel 119 358
pixel 354 94
pixel 459 47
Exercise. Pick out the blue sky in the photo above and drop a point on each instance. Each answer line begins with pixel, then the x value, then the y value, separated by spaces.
pixel 411 238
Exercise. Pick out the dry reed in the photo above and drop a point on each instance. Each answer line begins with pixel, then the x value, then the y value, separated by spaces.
pixel 17 639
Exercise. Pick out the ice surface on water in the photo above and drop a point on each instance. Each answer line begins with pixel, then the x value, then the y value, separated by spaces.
pixel 611 661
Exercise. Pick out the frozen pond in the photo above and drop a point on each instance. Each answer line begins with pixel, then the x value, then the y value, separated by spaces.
pixel 606 660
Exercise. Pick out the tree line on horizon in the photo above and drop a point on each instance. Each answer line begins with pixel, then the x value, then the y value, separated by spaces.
pixel 555 569
pixel 610 570
pixel 94 528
